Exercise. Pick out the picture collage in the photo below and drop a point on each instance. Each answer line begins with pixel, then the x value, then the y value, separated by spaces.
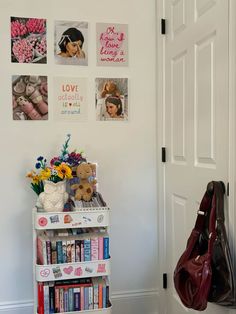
pixel 29 44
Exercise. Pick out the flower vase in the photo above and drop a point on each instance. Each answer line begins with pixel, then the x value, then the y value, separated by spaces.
pixel 54 196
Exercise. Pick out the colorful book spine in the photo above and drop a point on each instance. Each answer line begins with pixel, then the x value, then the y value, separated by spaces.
pixel 94 249
pixel 100 248
pixel 59 252
pixel 81 298
pixel 86 298
pixel 64 251
pixel 49 254
pixel 40 259
pixel 90 298
pixel 46 298
pixel 61 295
pixel 57 299
pixel 68 251
pixel 54 252
pixel 77 251
pixel 76 299
pixel 95 293
pixel 72 243
pixel 106 248
pixel 71 299
pixel 51 298
pixel 40 298
pixel 87 250
pixel 66 300
pixel 82 251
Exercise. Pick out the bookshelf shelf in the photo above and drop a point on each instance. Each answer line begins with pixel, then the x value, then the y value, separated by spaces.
pixel 72 270
pixel 81 218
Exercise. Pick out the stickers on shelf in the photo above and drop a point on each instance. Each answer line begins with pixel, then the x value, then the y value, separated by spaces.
pixel 72 270
pixel 90 218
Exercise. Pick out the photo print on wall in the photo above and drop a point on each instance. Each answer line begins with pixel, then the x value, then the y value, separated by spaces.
pixel 28 40
pixel 70 99
pixel 29 97
pixel 111 99
pixel 71 43
pixel 112 44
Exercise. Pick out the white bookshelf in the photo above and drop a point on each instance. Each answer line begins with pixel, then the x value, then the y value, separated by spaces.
pixel 80 218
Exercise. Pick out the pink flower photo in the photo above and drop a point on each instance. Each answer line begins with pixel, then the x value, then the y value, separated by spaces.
pixel 28 40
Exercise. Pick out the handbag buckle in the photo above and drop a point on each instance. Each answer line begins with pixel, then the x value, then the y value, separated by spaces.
pixel 200 212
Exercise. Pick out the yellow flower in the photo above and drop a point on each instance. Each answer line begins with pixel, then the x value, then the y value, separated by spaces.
pixel 36 179
pixel 45 174
pixel 64 171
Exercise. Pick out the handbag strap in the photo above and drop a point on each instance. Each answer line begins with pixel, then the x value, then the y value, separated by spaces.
pixel 212 204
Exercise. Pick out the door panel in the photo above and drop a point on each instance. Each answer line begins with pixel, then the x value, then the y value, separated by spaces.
pixel 196 120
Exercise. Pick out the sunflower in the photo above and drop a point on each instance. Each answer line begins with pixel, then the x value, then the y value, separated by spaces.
pixel 64 171
pixel 45 174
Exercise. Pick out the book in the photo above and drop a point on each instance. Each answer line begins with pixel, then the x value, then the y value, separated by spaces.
pixel 71 299
pixel 48 252
pixel 106 254
pixel 90 298
pixel 100 247
pixel 46 298
pixel 77 250
pixel 86 298
pixel 66 300
pixel 41 250
pixel 59 252
pixel 95 292
pixel 57 299
pixel 72 242
pixel 68 251
pixel 64 251
pixel 87 250
pixel 54 251
pixel 51 297
pixel 76 299
pixel 40 298
pixel 94 248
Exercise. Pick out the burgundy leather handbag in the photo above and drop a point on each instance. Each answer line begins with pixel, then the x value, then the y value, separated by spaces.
pixel 223 285
pixel 193 273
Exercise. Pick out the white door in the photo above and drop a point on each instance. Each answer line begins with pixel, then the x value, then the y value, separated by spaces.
pixel 196 120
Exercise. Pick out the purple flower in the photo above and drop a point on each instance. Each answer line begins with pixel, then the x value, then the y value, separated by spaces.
pixel 40 158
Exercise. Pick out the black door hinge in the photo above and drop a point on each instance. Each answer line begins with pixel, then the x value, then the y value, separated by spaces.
pixel 163 154
pixel 165 281
pixel 163 26
pixel 227 189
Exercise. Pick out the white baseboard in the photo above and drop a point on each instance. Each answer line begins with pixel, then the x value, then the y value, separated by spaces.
pixel 135 302
pixel 128 302
pixel 17 307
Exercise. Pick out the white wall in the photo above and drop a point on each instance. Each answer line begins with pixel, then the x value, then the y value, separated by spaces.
pixel 125 152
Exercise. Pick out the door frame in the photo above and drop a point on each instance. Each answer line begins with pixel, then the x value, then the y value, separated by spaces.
pixel 160 97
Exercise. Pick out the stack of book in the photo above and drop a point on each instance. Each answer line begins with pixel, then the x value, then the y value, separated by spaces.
pixel 74 295
pixel 72 248
pixel 96 201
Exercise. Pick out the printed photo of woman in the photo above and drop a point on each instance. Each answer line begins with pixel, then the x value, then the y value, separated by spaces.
pixel 71 43
pixel 111 99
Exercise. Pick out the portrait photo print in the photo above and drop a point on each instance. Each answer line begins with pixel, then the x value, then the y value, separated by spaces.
pixel 111 99
pixel 71 43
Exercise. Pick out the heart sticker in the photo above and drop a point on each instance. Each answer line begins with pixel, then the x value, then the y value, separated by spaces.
pixel 45 272
pixel 68 270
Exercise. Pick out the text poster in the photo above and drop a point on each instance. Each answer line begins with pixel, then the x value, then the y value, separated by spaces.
pixel 111 99
pixel 71 43
pixel 28 40
pixel 112 44
pixel 70 99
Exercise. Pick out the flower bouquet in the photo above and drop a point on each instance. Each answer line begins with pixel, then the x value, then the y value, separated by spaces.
pixel 60 168
pixel 28 37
